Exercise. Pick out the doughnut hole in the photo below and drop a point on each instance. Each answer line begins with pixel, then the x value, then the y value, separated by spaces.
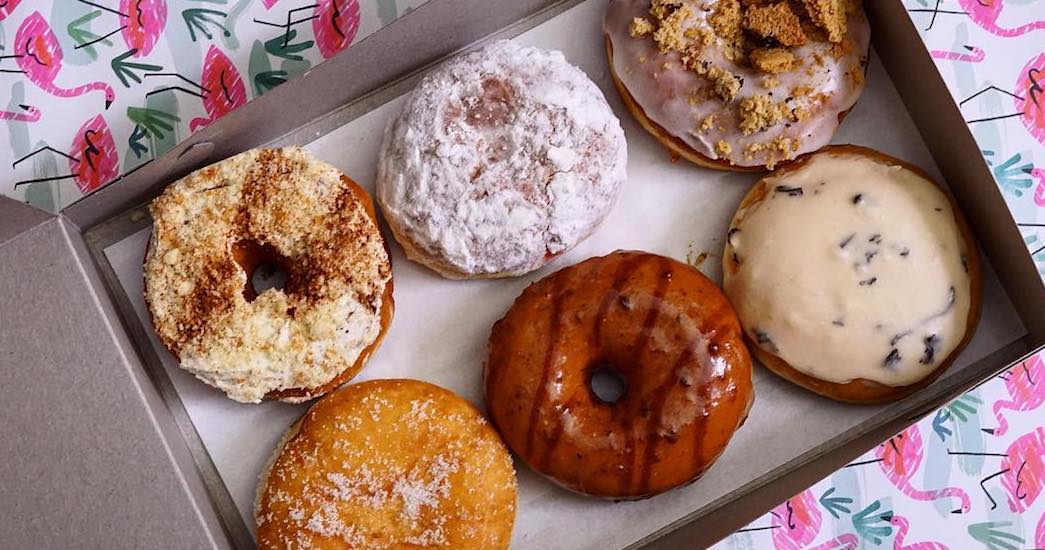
pixel 265 267
pixel 606 383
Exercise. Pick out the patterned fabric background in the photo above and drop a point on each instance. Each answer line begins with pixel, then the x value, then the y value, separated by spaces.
pixel 96 88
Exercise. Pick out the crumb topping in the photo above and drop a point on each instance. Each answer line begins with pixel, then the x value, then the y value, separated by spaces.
pixel 708 123
pixel 777 22
pixel 302 336
pixel 726 19
pixel 759 112
pixel 671 33
pixel 829 15
pixel 772 60
pixel 640 27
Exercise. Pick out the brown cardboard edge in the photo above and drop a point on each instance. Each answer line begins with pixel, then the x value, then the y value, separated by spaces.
pixel 17 218
pixel 426 35
pixel 170 427
pixel 945 133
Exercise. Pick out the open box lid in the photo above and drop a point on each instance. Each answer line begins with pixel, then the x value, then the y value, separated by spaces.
pixel 95 454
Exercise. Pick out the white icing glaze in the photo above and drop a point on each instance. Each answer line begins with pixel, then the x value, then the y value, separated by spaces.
pixel 501 158
pixel 194 286
pixel 664 88
pixel 846 260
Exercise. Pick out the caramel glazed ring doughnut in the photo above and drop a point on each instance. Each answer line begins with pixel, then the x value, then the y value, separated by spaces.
pixel 660 325
pixel 862 255
pixel 500 160
pixel 738 86
pixel 283 207
pixel 388 464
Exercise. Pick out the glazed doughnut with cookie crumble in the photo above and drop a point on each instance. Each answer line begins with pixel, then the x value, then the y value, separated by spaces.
pixel 738 85
pixel 280 207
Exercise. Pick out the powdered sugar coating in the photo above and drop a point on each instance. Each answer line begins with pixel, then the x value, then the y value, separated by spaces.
pixel 499 160
pixel 388 464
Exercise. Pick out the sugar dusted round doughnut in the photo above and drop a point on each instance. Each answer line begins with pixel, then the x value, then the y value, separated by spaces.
pixel 666 331
pixel 738 84
pixel 498 161
pixel 388 464
pixel 854 275
pixel 285 208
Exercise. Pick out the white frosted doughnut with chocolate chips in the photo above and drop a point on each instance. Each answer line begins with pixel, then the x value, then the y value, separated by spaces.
pixel 853 275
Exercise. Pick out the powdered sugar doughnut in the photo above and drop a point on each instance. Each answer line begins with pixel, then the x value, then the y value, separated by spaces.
pixel 499 160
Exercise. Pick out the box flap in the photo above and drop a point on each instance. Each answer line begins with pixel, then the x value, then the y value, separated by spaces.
pixel 86 459
pixel 17 217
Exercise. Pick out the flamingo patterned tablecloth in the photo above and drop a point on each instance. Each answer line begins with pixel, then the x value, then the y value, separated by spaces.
pixel 96 88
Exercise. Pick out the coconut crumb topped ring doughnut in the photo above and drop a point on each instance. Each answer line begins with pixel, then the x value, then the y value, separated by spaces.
pixel 738 85
pixel 278 206
pixel 854 275
pixel 498 161
pixel 388 464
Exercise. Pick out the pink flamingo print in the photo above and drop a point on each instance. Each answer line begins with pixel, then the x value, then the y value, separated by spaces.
pixel 8 6
pixel 796 523
pixel 335 25
pixel 845 541
pixel 1039 532
pixel 223 88
pixel 93 160
pixel 1024 468
pixel 985 13
pixel 98 161
pixel 902 526
pixel 900 458
pixel 1039 193
pixel 29 114
pixel 40 57
pixel 1031 96
pixel 974 55
pixel 1026 386
pixel 145 22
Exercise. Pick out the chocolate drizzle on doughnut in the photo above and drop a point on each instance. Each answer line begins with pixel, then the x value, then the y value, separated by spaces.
pixel 638 348
pixel 555 322
pixel 636 314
